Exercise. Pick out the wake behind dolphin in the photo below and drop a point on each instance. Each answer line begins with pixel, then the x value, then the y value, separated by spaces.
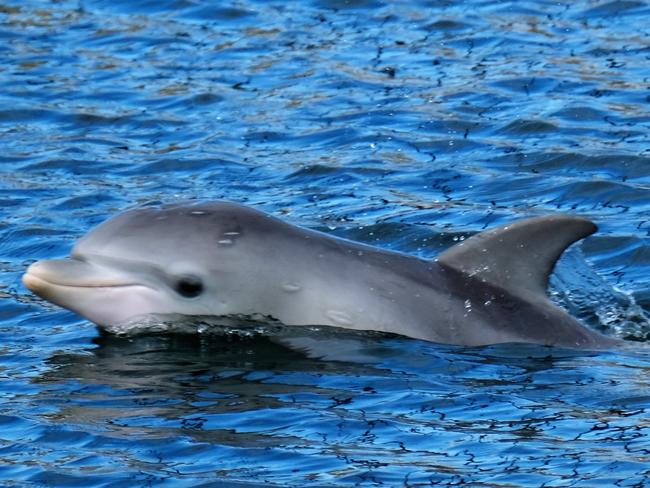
pixel 224 259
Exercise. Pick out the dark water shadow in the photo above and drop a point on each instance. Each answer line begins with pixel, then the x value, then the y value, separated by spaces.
pixel 228 373
pixel 327 399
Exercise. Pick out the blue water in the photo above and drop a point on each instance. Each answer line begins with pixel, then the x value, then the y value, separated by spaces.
pixel 408 125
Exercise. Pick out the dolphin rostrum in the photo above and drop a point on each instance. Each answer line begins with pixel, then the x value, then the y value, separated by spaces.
pixel 228 260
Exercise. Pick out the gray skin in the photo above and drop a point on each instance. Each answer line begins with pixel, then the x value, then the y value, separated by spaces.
pixel 489 289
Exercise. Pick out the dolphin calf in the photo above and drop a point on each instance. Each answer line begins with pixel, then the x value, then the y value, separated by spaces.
pixel 229 260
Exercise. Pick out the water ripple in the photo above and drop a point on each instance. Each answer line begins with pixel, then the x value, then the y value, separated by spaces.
pixel 408 125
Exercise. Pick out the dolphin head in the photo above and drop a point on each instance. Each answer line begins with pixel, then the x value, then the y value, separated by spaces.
pixel 175 260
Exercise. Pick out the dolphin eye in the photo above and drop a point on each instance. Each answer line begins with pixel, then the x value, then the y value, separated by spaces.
pixel 189 286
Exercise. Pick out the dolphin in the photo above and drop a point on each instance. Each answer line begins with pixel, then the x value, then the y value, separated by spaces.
pixel 229 260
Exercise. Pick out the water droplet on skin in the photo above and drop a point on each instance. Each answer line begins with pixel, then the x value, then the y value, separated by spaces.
pixel 198 212
pixel 339 317
pixel 291 287
pixel 487 303
pixel 225 242
pixel 468 307
pixel 231 233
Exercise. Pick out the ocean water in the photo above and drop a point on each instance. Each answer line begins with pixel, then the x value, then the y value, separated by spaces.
pixel 406 125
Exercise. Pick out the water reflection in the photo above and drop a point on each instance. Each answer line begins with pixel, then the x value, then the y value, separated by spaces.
pixel 377 407
pixel 169 379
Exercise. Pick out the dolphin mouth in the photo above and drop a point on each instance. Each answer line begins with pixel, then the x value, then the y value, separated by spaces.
pixel 73 273
pixel 94 289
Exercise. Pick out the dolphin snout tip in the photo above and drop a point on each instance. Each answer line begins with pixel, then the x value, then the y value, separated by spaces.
pixel 41 275
pixel 31 281
pixel 31 277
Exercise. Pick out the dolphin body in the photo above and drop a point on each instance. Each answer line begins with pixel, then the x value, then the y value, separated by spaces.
pixel 228 260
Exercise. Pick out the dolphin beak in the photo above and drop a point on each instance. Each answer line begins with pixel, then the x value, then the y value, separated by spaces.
pixel 92 288
pixel 43 275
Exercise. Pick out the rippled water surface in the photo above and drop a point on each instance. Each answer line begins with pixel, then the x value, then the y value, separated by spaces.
pixel 408 125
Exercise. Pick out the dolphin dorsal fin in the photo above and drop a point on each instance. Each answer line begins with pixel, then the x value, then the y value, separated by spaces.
pixel 518 257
